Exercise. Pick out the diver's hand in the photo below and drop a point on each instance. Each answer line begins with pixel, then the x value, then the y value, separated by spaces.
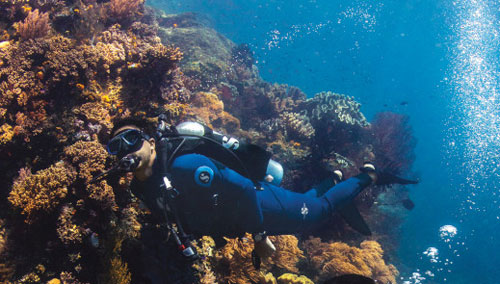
pixel 264 247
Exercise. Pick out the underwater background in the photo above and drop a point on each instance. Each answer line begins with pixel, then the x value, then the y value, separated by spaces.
pixel 410 85
pixel 436 61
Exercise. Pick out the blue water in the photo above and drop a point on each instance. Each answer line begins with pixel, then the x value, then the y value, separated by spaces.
pixel 436 61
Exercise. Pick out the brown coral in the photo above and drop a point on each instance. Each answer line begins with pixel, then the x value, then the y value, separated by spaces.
pixel 337 258
pixel 122 9
pixel 35 25
pixel 42 191
pixel 67 230
pixel 89 158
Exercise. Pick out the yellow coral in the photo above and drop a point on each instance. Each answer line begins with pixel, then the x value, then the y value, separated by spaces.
pixel 118 273
pixel 268 279
pixel 6 134
pixel 54 281
pixel 42 191
pixel 290 278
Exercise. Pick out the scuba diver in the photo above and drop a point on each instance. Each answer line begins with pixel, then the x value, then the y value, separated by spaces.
pixel 207 183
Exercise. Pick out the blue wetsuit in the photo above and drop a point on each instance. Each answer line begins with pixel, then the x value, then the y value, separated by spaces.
pixel 215 200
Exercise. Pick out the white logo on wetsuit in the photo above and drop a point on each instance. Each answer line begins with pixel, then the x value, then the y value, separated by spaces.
pixel 304 211
pixel 204 177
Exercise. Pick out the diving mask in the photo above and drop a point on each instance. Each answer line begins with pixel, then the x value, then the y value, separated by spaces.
pixel 126 142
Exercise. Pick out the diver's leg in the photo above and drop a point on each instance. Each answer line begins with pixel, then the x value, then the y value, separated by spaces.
pixel 347 190
pixel 326 184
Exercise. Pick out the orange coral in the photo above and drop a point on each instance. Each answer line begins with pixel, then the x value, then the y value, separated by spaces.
pixel 42 191
pixel 337 258
pixel 207 107
pixel 35 25
pixel 287 253
pixel 238 253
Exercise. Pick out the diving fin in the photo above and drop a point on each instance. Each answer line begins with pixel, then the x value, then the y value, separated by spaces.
pixel 352 216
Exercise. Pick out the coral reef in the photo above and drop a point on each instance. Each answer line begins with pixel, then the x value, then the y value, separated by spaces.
pixel 238 255
pixel 209 109
pixel 336 107
pixel 124 9
pixel 336 258
pixel 42 191
pixel 69 69
pixel 287 253
pixel 393 142
pixel 290 278
pixel 35 25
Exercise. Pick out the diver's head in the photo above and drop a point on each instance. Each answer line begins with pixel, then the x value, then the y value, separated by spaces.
pixel 128 137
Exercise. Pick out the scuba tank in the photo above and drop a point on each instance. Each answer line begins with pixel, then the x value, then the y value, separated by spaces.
pixel 249 160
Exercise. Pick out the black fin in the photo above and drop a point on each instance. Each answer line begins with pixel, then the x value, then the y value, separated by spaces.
pixel 352 216
pixel 408 204
pixel 256 260
pixel 219 242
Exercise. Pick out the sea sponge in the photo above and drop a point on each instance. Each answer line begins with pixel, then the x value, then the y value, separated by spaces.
pixel 290 278
pixel 42 191
pixel 333 259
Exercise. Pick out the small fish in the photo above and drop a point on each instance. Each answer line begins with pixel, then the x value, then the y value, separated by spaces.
pixel 408 204
pixel 404 103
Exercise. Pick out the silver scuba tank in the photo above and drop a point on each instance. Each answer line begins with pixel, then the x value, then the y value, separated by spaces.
pixel 191 128
pixel 274 172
